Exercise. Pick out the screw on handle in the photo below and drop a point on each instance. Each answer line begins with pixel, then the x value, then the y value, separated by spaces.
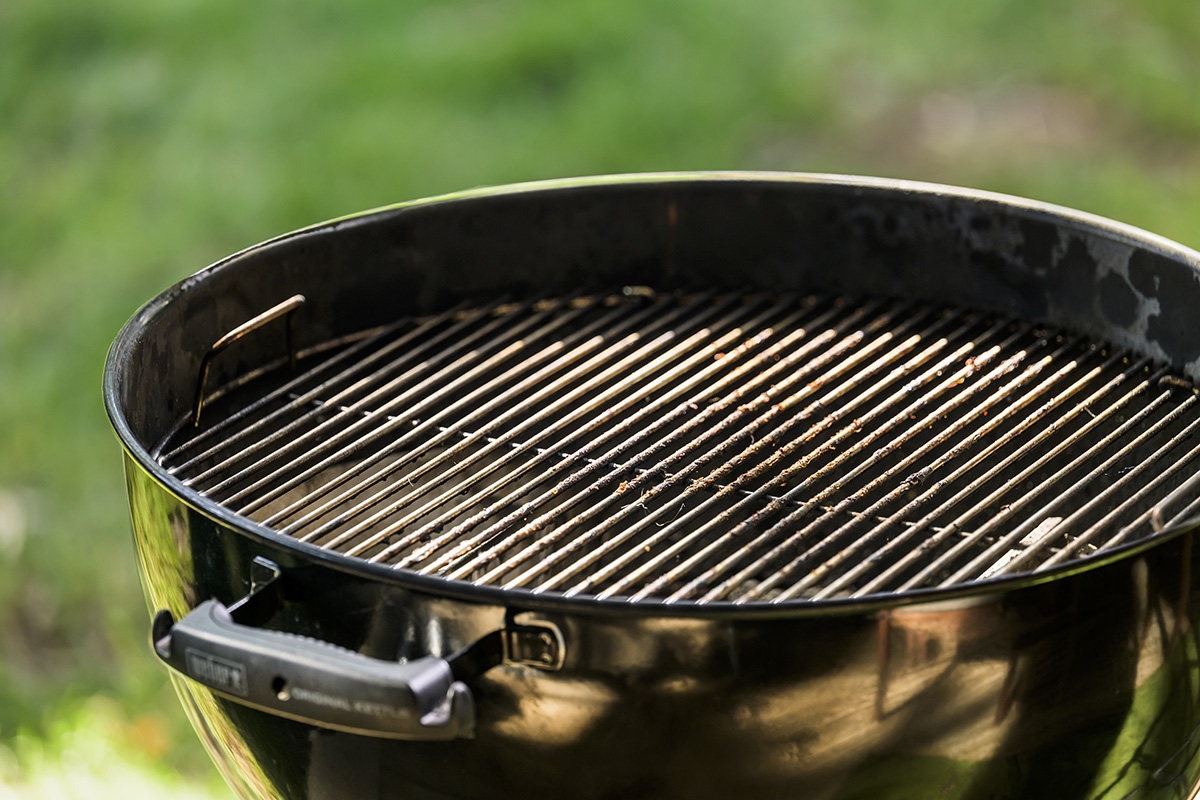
pixel 286 308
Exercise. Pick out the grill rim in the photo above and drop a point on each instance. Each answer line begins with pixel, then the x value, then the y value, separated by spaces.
pixel 117 373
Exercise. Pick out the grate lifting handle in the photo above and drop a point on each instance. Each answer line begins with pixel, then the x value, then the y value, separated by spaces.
pixel 286 308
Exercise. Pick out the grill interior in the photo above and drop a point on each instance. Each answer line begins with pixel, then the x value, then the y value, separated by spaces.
pixel 702 447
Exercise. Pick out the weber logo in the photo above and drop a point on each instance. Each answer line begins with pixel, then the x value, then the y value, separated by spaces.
pixel 225 676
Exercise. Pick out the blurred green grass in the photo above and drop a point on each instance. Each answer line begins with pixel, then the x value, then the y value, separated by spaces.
pixel 141 140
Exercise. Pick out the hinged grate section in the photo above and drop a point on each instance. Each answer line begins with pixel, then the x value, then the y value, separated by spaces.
pixel 704 447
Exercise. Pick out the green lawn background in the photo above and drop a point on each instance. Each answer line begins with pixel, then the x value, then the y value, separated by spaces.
pixel 141 140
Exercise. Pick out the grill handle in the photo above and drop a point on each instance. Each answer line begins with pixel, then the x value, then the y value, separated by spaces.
pixel 313 681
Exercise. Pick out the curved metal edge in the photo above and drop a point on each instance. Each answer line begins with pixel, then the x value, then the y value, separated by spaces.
pixel 550 602
pixel 897 185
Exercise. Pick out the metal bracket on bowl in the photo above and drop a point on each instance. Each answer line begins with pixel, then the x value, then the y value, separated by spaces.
pixel 528 643
pixel 534 643
pixel 286 308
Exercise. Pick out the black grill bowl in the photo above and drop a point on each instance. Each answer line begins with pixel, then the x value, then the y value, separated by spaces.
pixel 1077 680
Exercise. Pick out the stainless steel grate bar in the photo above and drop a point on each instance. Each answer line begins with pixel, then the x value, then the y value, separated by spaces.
pixel 564 459
pixel 360 433
pixel 1139 498
pixel 887 524
pixel 723 470
pixel 899 542
pixel 564 352
pixel 821 571
pixel 709 510
pixel 1110 494
pixel 285 435
pixel 522 411
pixel 889 478
pixel 357 357
pixel 698 449
pixel 893 433
pixel 1134 424
pixel 611 461
pixel 932 564
pixel 618 538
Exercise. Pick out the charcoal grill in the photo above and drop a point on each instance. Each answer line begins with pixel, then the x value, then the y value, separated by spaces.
pixel 861 485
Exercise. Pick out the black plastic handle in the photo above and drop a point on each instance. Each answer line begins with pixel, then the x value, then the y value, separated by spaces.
pixel 314 681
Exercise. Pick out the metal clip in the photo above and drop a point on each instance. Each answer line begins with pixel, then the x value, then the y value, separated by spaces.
pixel 265 595
pixel 534 644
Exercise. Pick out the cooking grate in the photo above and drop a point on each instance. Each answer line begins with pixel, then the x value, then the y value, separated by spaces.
pixel 703 447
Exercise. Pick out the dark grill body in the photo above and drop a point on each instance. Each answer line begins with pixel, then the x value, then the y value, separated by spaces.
pixel 694 486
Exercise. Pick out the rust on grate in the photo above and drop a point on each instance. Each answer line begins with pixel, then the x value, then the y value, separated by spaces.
pixel 704 447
